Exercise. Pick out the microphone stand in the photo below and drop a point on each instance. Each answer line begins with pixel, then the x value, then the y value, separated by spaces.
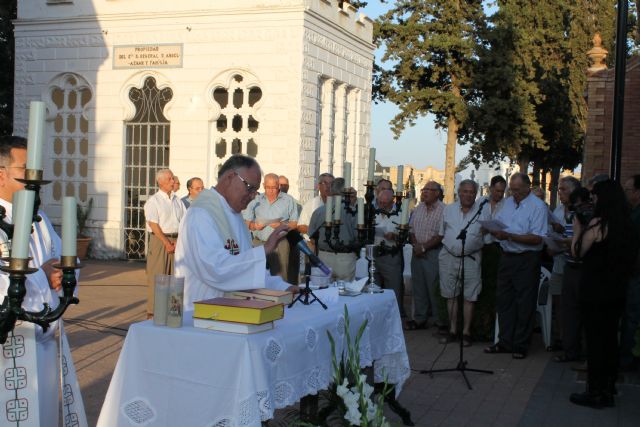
pixel 306 293
pixel 462 364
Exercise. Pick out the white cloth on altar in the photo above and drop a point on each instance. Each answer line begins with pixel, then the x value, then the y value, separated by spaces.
pixel 197 377
pixel 206 260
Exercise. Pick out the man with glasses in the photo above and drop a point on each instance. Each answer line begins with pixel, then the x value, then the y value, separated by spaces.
pixel 163 212
pixel 324 187
pixel 272 205
pixel 194 186
pixel 426 240
pixel 43 285
pixel 526 217
pixel 214 252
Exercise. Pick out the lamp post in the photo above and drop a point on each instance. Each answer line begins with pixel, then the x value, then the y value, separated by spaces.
pixel 618 91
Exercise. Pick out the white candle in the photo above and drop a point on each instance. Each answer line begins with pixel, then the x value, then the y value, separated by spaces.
pixel 400 185
pixel 37 112
pixel 328 214
pixel 347 174
pixel 360 211
pixel 69 226
pixel 372 163
pixel 23 217
pixel 404 215
pixel 338 208
pixel 161 299
pixel 176 297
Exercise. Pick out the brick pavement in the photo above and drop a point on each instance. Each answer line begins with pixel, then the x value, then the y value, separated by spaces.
pixel 530 392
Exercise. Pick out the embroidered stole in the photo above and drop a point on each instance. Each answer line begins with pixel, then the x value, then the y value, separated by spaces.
pixel 209 200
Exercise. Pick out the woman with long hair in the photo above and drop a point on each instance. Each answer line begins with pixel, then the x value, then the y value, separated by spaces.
pixel 605 241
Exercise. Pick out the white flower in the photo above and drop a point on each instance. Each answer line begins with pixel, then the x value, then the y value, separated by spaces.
pixel 367 390
pixel 342 389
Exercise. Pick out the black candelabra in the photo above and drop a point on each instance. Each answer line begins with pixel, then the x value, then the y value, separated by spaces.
pixel 11 309
pixel 365 236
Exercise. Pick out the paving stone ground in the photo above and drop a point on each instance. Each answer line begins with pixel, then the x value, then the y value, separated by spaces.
pixel 530 392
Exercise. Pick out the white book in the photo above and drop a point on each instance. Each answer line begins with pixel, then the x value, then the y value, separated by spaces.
pixel 236 328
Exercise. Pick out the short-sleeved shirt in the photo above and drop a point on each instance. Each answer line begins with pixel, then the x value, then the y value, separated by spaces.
pixel 308 209
pixel 347 228
pixel 530 216
pixel 488 237
pixel 284 206
pixel 385 224
pixel 425 222
pixel 166 210
pixel 454 220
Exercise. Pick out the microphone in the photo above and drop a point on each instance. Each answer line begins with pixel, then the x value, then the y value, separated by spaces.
pixel 295 238
pixel 484 202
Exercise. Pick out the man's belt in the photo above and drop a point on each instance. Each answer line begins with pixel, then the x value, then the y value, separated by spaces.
pixel 469 255
pixel 172 235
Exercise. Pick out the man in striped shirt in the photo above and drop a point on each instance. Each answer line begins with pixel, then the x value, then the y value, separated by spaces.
pixel 425 237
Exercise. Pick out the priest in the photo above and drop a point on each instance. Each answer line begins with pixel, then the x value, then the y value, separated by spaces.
pixel 214 253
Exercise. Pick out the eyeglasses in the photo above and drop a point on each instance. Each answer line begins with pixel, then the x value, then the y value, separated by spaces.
pixel 14 167
pixel 430 189
pixel 250 188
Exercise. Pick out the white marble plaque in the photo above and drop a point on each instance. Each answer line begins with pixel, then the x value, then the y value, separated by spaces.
pixel 147 56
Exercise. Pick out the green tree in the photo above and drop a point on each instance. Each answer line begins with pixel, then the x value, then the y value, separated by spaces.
pixel 429 49
pixel 7 13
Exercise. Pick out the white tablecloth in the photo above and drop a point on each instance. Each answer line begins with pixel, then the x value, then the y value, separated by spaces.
pixel 194 377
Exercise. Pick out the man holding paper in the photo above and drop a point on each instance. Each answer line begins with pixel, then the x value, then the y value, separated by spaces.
pixel 519 271
pixel 214 253
pixel 266 212
pixel 41 286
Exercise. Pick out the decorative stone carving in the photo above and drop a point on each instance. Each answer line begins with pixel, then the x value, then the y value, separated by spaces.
pixel 597 55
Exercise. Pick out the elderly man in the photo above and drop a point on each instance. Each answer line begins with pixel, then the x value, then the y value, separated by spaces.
pixel 426 239
pixel 163 212
pixel 283 182
pixel 214 252
pixel 176 184
pixel 463 214
pixel 41 286
pixel 194 186
pixel 519 272
pixel 388 267
pixel 272 205
pixel 631 313
pixel 342 263
pixel 566 273
pixel 325 181
pixel 383 184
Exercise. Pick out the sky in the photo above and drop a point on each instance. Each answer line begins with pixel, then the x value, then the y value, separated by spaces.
pixel 421 145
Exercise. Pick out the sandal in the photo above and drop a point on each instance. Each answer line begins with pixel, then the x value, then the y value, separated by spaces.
pixel 563 358
pixel 496 348
pixel 412 325
pixel 519 355
pixel 466 340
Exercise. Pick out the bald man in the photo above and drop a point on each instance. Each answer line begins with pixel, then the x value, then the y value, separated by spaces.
pixel 265 213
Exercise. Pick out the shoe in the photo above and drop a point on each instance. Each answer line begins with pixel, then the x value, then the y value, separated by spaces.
pixel 450 337
pixel 466 340
pixel 496 348
pixel 412 325
pixel 592 399
pixel 563 358
pixel 519 355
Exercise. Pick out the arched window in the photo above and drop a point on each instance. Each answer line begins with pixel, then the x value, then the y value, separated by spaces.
pixel 146 151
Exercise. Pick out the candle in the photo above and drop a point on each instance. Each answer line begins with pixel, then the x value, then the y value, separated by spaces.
pixel 161 299
pixel 338 208
pixel 400 185
pixel 404 215
pixel 347 174
pixel 176 297
pixel 360 211
pixel 69 226
pixel 372 163
pixel 328 208
pixel 23 217
pixel 37 112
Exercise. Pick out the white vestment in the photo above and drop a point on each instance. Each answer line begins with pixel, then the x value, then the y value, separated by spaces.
pixel 44 245
pixel 212 264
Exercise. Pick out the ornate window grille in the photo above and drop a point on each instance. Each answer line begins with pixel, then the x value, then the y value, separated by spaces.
pixel 146 151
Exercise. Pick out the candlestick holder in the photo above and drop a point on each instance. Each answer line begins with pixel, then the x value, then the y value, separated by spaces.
pixel 372 287
pixel 11 309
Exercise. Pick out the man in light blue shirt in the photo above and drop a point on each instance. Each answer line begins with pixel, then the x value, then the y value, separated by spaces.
pixel 266 212
pixel 525 216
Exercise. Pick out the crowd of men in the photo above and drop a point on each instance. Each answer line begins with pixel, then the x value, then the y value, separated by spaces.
pixel 505 261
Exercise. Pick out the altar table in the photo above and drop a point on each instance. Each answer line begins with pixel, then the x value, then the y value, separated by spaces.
pixel 195 377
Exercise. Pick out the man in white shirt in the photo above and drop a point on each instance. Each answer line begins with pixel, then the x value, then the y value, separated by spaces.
pixel 389 267
pixel 519 272
pixel 163 212
pixel 214 253
pixel 41 286
pixel 456 217
pixel 324 187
